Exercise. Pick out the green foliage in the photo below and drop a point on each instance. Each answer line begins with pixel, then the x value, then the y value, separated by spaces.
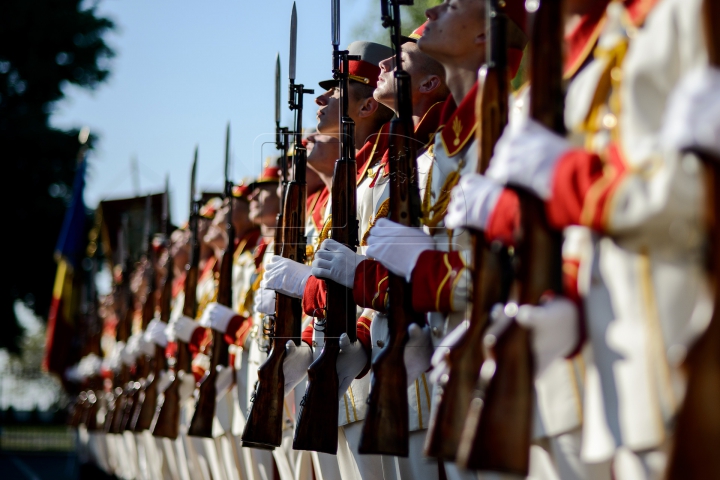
pixel 370 28
pixel 44 45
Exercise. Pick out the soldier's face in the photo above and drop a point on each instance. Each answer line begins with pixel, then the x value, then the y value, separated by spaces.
pixel 328 114
pixel 325 151
pixel 264 205
pixel 412 63
pixel 216 235
pixel 455 30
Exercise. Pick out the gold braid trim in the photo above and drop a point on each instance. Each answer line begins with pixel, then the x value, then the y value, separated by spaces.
pixel 250 295
pixel 324 234
pixel 382 212
pixel 435 213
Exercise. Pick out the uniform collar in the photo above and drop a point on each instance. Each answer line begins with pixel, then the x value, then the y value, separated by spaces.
pixel 246 242
pixel 581 41
pixel 375 147
pixel 458 123
pixel 317 211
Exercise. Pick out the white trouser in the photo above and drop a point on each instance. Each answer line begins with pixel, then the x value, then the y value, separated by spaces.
pixel 415 466
pixel 647 465
pixel 352 464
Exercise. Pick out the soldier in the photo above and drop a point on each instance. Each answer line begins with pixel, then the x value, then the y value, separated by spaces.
pixel 623 173
pixel 290 278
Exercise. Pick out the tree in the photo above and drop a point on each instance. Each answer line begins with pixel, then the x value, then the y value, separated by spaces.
pixel 44 45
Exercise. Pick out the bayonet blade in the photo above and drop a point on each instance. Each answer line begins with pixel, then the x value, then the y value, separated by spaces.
pixel 335 22
pixel 293 42
pixel 193 175
pixel 166 208
pixel 278 98
pixel 146 224
pixel 227 154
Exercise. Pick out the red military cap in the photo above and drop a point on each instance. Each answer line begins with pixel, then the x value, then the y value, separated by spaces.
pixel 241 191
pixel 210 208
pixel 367 69
pixel 415 35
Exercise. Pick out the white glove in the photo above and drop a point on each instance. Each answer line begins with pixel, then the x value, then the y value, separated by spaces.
pixel 554 326
pixel 113 362
pixel 397 247
pixel 472 201
pixel 129 354
pixel 217 317
pixel 296 362
pixel 334 261
pixel 692 115
pixel 89 366
pixel 181 328
pixel 439 358
pixel 351 361
pixel 264 301
pixel 526 155
pixel 285 276
pixel 72 374
pixel 146 347
pixel 418 352
pixel 155 333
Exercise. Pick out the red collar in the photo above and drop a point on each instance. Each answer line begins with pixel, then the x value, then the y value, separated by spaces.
pixel 247 241
pixel 317 211
pixel 178 285
pixel 260 251
pixel 458 123
pixel 580 42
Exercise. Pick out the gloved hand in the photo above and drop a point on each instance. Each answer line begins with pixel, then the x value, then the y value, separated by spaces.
pixel 397 247
pixel 145 347
pixel 181 328
pixel 114 362
pixel 472 201
pixel 296 362
pixel 264 301
pixel 155 332
pixel 418 352
pixel 351 361
pixel 554 325
pixel 334 261
pixel 72 374
pixel 439 358
pixel 285 276
pixel 526 155
pixel 89 366
pixel 217 317
pixel 692 115
pixel 129 354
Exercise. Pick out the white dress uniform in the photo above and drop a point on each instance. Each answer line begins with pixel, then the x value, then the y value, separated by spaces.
pixel 648 296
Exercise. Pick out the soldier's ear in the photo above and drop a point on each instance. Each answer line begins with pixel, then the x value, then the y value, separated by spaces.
pixel 367 107
pixel 429 84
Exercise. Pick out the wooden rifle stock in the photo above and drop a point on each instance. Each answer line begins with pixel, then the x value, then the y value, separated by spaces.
pixel 386 427
pixel 317 424
pixel 263 428
pixel 166 422
pixel 456 391
pixel 202 421
pixel 497 435
pixel 697 431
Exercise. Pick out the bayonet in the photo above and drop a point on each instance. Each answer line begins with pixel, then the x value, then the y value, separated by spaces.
pixel 165 227
pixel 293 43
pixel 335 23
pixel 228 193
pixel 278 97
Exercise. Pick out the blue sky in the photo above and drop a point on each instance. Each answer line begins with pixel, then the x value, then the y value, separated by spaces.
pixel 183 70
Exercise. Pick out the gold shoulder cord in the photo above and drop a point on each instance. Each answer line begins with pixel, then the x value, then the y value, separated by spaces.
pixel 433 214
pixel 382 212
pixel 324 234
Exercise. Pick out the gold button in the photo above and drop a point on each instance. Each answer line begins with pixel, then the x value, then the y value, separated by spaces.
pixel 616 74
pixel 609 121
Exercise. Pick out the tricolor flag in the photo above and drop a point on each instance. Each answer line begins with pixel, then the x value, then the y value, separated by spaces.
pixel 64 305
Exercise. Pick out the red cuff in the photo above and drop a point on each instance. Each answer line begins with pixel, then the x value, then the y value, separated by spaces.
pixel 433 280
pixel 363 336
pixel 237 330
pixel 582 188
pixel 370 287
pixel 307 335
pixel 199 340
pixel 504 220
pixel 171 350
pixel 315 297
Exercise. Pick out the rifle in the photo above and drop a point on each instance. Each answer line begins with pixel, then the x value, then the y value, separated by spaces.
pixel 386 427
pixel 318 416
pixel 147 400
pixel 454 392
pixel 697 431
pixel 144 364
pixel 265 415
pixel 202 420
pixel 125 316
pixel 166 422
pixel 497 435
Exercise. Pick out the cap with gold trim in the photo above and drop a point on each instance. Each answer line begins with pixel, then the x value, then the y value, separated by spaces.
pixel 210 209
pixel 367 69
